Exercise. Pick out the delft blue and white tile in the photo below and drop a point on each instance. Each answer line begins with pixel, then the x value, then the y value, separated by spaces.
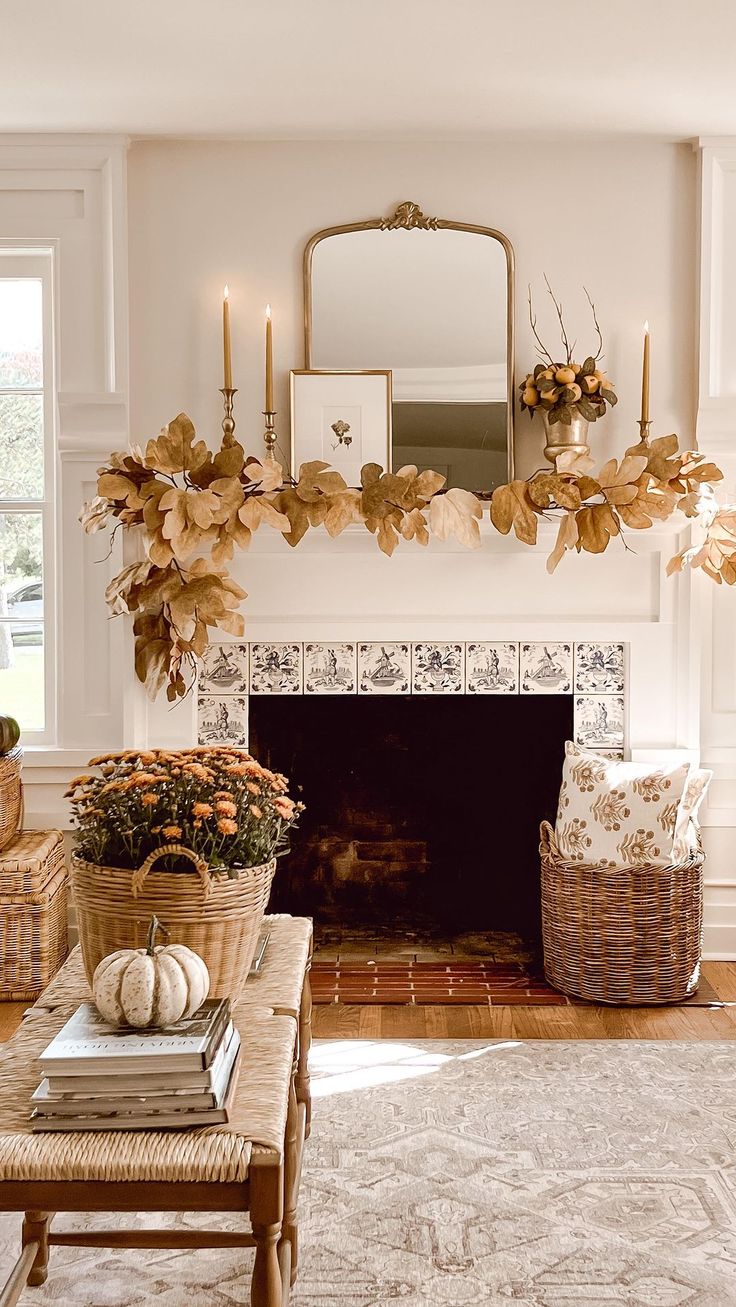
pixel 492 668
pixel 275 668
pixel 599 721
pixel 384 668
pixel 224 669
pixel 222 720
pixel 329 668
pixel 546 668
pixel 599 668
pixel 437 668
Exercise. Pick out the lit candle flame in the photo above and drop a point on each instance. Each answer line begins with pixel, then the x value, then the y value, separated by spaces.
pixel 268 312
pixel 226 293
pixel 646 326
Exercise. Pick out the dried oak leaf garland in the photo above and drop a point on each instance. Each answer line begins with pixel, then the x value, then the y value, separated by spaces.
pixel 194 508
pixel 651 481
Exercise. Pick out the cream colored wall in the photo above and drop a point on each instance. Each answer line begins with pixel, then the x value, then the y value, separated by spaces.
pixel 618 217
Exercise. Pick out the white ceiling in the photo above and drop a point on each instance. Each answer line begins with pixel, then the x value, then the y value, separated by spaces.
pixel 370 68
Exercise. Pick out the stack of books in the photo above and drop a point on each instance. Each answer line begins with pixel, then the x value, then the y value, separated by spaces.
pixel 101 1077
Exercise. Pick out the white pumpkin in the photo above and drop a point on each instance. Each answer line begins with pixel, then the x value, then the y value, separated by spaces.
pixel 151 986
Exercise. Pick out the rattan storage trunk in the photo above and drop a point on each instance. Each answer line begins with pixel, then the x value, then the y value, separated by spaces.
pixel 33 913
pixel 628 937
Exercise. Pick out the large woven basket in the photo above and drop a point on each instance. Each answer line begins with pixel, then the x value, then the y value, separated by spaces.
pixel 220 918
pixel 11 795
pixel 627 937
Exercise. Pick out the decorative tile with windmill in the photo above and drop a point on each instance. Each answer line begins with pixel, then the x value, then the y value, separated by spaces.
pixel 384 667
pixel 546 668
pixel 224 669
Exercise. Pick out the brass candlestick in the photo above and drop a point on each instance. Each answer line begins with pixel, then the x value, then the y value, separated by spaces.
pixel 644 428
pixel 269 436
pixel 228 422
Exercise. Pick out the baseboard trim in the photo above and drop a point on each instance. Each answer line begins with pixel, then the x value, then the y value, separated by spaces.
pixel 719 938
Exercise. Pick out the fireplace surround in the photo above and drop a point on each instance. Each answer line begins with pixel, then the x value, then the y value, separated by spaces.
pixel 593 672
pixel 425 766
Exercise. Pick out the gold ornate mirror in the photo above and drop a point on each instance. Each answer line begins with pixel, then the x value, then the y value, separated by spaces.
pixel 433 301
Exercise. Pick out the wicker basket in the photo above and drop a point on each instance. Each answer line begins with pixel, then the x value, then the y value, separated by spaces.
pixel 627 937
pixel 11 795
pixel 220 918
pixel 33 913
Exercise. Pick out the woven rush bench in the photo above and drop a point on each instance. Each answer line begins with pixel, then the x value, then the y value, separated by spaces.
pixel 282 986
pixel 251 1165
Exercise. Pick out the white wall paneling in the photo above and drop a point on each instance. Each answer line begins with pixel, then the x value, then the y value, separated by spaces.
pixel 717 605
pixel 717 335
pixel 68 194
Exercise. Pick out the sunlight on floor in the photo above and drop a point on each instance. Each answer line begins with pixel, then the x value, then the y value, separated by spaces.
pixel 342 1066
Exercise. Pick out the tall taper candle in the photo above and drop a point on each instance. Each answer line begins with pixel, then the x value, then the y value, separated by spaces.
pixel 226 339
pixel 269 362
pixel 645 377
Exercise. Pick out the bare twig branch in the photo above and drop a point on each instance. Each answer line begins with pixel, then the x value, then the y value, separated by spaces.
pixel 599 355
pixel 563 333
pixel 113 533
pixel 545 354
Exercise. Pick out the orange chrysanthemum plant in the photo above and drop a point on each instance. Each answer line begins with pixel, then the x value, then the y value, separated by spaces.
pixel 219 802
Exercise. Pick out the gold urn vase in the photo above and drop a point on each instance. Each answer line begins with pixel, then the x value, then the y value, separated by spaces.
pixel 560 437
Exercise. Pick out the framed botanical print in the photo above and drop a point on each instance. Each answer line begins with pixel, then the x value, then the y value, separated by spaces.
pixel 342 418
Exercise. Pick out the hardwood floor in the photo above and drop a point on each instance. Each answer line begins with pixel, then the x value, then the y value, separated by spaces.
pixel 334 1021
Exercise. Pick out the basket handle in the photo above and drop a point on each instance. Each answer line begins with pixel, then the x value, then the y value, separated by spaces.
pixel 546 839
pixel 200 865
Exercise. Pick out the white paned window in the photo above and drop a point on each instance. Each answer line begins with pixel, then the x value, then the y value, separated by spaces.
pixel 26 493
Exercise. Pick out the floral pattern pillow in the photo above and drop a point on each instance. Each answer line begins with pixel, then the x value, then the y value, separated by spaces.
pixel 686 837
pixel 619 814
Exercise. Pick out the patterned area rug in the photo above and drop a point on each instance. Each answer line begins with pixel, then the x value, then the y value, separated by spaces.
pixel 455 981
pixel 475 1174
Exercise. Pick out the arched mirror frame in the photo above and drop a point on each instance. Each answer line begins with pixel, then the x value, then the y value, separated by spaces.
pixel 406 217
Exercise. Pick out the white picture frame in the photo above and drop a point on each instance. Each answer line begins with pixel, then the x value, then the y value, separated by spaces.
pixel 341 418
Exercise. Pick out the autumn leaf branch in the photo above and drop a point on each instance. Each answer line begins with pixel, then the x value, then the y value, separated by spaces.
pixel 195 508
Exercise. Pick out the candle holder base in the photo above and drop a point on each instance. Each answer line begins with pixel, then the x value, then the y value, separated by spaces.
pixel 228 422
pixel 270 438
pixel 644 430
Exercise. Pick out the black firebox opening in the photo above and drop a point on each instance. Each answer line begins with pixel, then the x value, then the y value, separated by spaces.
pixel 421 812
